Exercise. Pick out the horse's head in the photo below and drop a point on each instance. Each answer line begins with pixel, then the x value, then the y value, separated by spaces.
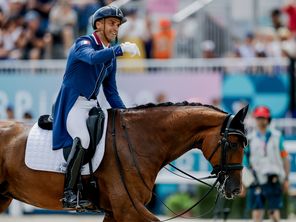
pixel 223 147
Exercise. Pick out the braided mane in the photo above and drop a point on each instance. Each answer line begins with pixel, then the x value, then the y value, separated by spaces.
pixel 167 104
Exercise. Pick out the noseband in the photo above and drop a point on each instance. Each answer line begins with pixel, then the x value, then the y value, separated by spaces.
pixel 225 145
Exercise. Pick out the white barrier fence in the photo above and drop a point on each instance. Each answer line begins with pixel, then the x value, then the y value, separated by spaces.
pixel 147 65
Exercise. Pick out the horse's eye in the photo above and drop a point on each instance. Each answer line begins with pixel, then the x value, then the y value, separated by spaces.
pixel 233 145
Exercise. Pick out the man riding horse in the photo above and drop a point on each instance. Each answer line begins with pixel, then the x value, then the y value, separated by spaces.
pixel 91 63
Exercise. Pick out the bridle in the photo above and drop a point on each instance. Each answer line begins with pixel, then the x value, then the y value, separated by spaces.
pixel 225 145
pixel 218 170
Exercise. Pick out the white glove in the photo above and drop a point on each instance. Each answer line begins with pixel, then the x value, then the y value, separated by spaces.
pixel 131 48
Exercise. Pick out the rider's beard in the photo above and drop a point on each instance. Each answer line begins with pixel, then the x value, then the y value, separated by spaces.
pixel 104 36
pixel 110 37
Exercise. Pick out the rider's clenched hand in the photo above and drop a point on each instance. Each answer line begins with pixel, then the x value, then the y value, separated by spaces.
pixel 130 48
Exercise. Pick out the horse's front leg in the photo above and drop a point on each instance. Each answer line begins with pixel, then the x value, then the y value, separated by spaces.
pixel 130 214
pixel 4 203
pixel 109 217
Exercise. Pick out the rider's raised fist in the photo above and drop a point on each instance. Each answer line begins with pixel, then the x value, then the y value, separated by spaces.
pixel 130 48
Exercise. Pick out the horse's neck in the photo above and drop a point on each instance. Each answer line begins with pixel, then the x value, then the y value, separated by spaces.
pixel 188 126
pixel 162 135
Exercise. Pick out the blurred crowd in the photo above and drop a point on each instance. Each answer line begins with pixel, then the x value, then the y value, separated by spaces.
pixel 27 116
pixel 278 40
pixel 45 29
pixel 42 29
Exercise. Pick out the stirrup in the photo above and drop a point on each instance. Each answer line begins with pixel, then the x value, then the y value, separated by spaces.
pixel 81 205
pixel 77 204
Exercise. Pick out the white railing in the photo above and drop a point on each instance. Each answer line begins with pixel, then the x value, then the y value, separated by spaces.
pixel 148 65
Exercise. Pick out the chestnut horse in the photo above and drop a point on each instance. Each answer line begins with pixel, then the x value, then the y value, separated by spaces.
pixel 139 142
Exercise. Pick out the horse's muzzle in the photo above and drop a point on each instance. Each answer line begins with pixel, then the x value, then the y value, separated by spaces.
pixel 230 185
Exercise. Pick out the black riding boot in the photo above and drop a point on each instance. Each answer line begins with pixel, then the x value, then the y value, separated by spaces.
pixel 75 161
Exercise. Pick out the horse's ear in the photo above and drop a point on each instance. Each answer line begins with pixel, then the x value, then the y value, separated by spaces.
pixel 241 115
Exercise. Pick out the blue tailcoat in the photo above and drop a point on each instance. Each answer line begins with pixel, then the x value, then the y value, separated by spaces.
pixel 88 67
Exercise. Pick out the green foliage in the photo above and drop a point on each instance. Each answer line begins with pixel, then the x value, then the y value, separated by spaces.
pixel 178 203
pixel 233 209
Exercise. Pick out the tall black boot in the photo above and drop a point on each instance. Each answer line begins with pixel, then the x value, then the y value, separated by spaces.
pixel 75 161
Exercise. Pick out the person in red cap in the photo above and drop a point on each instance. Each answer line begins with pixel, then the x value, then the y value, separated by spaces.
pixel 163 41
pixel 268 161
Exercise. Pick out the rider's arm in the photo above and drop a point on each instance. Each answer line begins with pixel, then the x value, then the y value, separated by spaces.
pixel 85 52
pixel 110 90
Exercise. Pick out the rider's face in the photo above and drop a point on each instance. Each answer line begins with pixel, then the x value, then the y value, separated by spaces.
pixel 110 26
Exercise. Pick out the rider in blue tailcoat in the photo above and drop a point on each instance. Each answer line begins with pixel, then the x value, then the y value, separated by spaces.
pixel 91 63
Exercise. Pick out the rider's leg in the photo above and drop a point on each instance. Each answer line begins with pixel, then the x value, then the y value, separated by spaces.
pixel 76 127
pixel 72 176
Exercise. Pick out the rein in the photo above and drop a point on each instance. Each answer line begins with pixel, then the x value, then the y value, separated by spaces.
pixel 190 176
pixel 219 170
pixel 119 164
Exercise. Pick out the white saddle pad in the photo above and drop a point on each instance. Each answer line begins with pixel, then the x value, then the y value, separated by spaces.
pixel 40 156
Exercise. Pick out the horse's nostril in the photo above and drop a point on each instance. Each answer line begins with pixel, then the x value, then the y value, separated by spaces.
pixel 236 191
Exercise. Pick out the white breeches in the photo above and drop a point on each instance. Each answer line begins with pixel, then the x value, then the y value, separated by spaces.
pixel 76 120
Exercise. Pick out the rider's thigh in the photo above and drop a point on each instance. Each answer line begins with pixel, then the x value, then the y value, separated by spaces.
pixel 76 123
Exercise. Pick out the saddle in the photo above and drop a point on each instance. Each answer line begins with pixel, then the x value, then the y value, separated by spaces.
pixel 95 126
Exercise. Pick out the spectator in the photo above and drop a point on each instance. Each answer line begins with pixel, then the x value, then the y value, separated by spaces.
pixel 288 44
pixel 84 9
pixel 35 42
pixel 269 163
pixel 161 97
pixel 216 101
pixel 208 49
pixel 10 112
pixel 27 116
pixel 272 44
pixel 260 43
pixel 2 18
pixel 247 50
pixel 9 39
pixel 290 10
pixel 288 47
pixel 43 8
pixel 163 41
pixel 16 8
pixel 276 19
pixel 62 27
pixel 148 41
